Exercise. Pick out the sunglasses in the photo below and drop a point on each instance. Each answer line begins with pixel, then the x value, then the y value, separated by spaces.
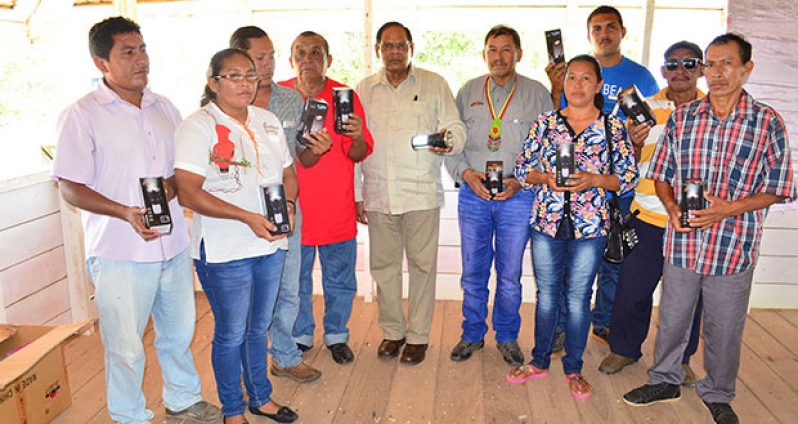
pixel 689 63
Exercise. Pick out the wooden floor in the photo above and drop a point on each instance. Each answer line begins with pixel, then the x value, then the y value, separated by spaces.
pixel 474 391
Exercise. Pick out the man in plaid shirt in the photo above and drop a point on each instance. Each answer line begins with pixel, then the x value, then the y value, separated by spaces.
pixel 737 148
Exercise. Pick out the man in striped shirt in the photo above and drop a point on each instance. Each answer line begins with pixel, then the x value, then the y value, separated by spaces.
pixel 737 148
pixel 642 269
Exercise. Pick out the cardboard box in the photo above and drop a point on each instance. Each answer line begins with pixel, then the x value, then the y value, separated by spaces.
pixel 33 381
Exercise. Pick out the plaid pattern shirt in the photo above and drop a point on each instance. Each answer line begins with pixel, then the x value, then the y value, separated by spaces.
pixel 745 154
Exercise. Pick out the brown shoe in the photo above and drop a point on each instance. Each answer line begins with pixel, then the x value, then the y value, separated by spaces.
pixel 690 378
pixel 390 348
pixel 614 363
pixel 413 354
pixel 301 372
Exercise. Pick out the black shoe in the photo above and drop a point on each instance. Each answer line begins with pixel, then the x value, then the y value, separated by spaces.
pixel 303 347
pixel 722 413
pixel 602 334
pixel 511 353
pixel 341 353
pixel 653 393
pixel 283 415
pixel 463 350
pixel 559 342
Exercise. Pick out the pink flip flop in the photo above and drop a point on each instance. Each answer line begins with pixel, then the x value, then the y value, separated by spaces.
pixel 525 372
pixel 575 379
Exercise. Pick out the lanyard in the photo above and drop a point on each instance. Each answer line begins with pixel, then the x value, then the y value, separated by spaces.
pixel 495 132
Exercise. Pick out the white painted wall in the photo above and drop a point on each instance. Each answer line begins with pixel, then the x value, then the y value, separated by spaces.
pixel 770 27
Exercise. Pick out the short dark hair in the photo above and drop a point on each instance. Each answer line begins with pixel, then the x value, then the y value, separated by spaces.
pixel 101 35
pixel 240 38
pixel 605 10
pixel 686 45
pixel 504 30
pixel 393 24
pixel 598 98
pixel 743 46
pixel 216 65
pixel 312 34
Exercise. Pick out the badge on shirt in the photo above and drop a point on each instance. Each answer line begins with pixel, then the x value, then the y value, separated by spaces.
pixel 289 124
pixel 476 103
pixel 270 129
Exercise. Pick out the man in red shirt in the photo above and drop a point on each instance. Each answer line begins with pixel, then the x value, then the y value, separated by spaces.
pixel 327 200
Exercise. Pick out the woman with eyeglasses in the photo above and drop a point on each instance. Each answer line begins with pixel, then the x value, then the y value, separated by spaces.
pixel 226 153
pixel 570 220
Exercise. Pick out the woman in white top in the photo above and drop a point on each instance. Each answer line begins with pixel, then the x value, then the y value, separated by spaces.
pixel 225 153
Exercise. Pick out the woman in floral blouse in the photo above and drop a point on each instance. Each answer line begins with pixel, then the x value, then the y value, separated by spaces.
pixel 570 222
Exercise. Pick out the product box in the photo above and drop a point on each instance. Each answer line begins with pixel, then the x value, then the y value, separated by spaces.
pixel 554 46
pixel 275 207
pixel 344 106
pixel 634 105
pixel 313 114
pixel 441 139
pixel 157 217
pixel 565 163
pixel 692 200
pixel 33 381
pixel 494 176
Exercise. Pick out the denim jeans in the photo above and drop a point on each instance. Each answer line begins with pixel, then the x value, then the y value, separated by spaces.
pixel 242 294
pixel 480 221
pixel 339 285
pixel 563 267
pixel 608 275
pixel 283 347
pixel 126 293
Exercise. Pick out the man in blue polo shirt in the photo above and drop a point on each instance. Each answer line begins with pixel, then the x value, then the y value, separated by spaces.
pixel 605 31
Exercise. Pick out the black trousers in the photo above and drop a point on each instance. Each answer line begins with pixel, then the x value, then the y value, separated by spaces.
pixel 631 314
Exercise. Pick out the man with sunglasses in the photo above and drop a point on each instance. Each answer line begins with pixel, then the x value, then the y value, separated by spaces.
pixel 402 190
pixel 737 149
pixel 642 269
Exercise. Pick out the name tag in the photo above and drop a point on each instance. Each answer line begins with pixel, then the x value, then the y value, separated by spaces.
pixel 271 129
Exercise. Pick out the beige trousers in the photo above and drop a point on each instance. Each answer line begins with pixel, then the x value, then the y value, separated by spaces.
pixel 414 234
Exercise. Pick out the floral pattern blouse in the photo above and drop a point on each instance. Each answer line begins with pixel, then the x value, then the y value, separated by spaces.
pixel 589 208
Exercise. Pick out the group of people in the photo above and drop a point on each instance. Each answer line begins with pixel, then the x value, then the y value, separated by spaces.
pixel 259 282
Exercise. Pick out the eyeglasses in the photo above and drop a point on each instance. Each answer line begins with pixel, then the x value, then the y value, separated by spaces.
pixel 689 63
pixel 390 46
pixel 237 77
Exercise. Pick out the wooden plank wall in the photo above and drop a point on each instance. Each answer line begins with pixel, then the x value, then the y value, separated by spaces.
pixel 33 273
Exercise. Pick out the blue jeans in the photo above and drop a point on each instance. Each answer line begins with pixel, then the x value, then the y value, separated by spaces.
pixel 563 267
pixel 608 276
pixel 283 349
pixel 126 293
pixel 480 220
pixel 339 285
pixel 242 294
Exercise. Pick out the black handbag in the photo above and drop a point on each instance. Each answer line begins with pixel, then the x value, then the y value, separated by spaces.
pixel 621 237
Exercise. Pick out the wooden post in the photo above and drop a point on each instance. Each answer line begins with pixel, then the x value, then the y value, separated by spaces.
pixel 648 9
pixel 80 290
pixel 126 8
